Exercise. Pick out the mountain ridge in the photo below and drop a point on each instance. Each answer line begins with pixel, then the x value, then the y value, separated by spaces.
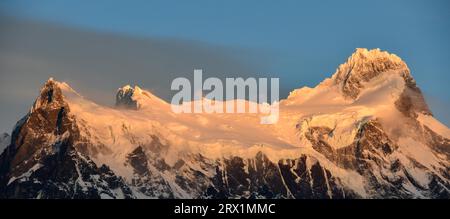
pixel 328 144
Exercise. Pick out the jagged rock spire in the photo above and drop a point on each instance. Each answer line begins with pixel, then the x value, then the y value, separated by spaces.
pixel 124 97
pixel 50 96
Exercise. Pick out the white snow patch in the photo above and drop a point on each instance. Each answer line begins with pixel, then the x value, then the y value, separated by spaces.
pixel 26 175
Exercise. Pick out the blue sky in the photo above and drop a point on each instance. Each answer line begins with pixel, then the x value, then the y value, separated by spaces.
pixel 302 42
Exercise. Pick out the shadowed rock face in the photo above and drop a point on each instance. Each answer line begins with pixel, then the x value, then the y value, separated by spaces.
pixel 411 101
pixel 124 98
pixel 290 178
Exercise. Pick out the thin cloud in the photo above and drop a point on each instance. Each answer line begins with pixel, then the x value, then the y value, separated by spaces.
pixel 98 63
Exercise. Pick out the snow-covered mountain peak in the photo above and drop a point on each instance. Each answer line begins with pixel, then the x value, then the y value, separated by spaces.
pixel 129 97
pixel 364 61
pixel 375 55
pixel 368 77
pixel 363 66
